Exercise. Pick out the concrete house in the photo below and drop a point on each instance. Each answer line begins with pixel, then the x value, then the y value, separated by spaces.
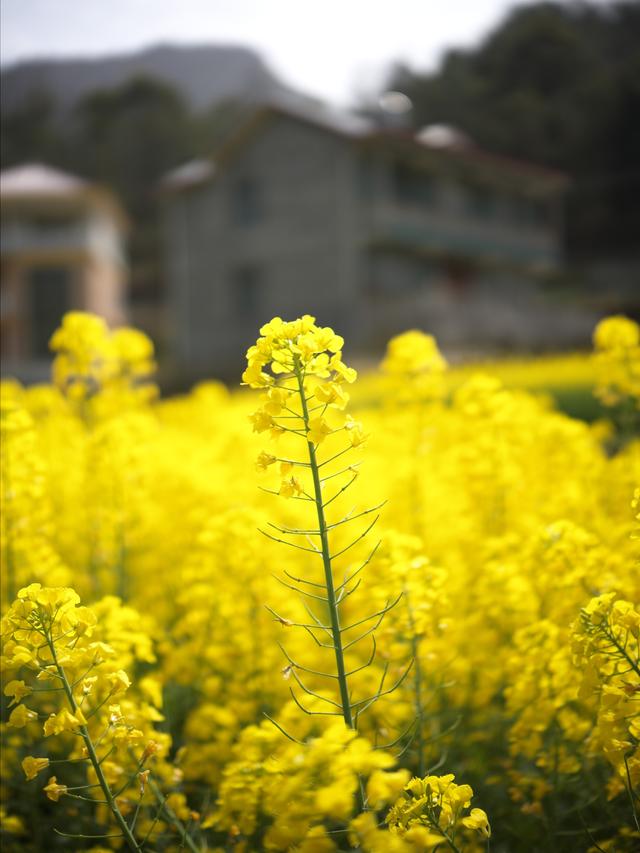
pixel 61 249
pixel 372 230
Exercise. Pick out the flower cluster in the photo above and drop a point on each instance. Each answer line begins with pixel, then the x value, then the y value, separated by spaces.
pixel 433 811
pixel 91 358
pixel 414 358
pixel 298 355
pixel 606 648
pixel 504 517
pixel 298 791
pixel 617 360
pixel 64 680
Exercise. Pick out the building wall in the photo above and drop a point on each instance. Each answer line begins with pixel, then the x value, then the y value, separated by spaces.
pixel 434 209
pixel 464 255
pixel 103 287
pixel 227 277
pixel 339 232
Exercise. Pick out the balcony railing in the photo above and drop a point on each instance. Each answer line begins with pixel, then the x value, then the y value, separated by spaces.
pixel 19 238
pixel 489 239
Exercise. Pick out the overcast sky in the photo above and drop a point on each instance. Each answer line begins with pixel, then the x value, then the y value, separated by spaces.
pixel 332 48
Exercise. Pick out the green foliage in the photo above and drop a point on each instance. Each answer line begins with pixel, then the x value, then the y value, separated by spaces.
pixel 557 84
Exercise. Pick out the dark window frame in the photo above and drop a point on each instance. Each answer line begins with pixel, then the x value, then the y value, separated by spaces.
pixel 50 290
pixel 413 186
pixel 247 287
pixel 247 201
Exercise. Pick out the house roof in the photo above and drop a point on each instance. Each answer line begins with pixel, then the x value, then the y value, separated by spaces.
pixel 35 183
pixel 192 172
pixel 36 179
pixel 362 131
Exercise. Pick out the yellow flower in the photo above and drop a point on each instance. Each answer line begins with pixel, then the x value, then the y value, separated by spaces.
pixel 20 716
pixel 64 721
pixel 319 429
pixel 460 795
pixel 254 376
pixel 134 349
pixel 276 399
pixel 119 682
pixel 343 373
pixel 17 689
pixel 290 487
pixel 143 777
pixel 478 819
pixel 336 800
pixel 261 421
pixel 83 620
pixel 413 352
pixel 150 749
pixel 127 734
pixel 616 333
pixel 385 787
pixel 273 328
pixel 32 766
pixel 331 394
pixel 12 823
pixel 354 431
pixel 424 839
pixel 53 790
pixel 264 460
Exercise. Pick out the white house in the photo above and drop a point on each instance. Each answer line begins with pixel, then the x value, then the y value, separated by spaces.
pixel 61 249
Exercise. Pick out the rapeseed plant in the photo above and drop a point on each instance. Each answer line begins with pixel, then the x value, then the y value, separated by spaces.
pixel 74 684
pixel 304 398
pixel 510 540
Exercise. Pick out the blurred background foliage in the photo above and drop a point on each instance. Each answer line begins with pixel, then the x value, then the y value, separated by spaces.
pixel 557 84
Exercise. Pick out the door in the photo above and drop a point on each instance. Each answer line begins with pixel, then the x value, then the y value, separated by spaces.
pixel 49 300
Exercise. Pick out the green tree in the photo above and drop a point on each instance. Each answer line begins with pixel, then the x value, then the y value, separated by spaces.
pixel 558 84
pixel 128 138
pixel 30 133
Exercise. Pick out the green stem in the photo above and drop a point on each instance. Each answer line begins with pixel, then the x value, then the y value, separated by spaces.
pixel 619 647
pixel 173 817
pixel 9 561
pixel 417 687
pixel 86 737
pixel 332 603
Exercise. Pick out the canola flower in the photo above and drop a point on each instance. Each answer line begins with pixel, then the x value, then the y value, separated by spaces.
pixel 304 388
pixel 75 689
pixel 617 359
pixel 510 538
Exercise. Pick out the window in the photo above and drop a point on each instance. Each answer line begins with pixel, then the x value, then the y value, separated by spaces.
pixel 540 213
pixel 412 186
pixel 51 221
pixel 246 292
pixel 528 211
pixel 365 178
pixel 393 274
pixel 49 299
pixel 247 207
pixel 481 201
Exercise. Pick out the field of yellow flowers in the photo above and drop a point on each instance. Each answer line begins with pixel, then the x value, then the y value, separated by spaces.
pixel 316 614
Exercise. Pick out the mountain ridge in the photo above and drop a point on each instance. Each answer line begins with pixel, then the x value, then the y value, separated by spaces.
pixel 204 74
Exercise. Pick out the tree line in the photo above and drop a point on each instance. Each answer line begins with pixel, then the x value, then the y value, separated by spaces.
pixel 557 84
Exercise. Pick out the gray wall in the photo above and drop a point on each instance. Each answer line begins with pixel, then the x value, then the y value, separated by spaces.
pixel 302 245
pixel 329 210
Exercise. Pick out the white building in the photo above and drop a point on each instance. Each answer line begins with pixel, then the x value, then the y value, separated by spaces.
pixel 61 249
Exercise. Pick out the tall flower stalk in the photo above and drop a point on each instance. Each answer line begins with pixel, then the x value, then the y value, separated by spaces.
pixel 299 367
